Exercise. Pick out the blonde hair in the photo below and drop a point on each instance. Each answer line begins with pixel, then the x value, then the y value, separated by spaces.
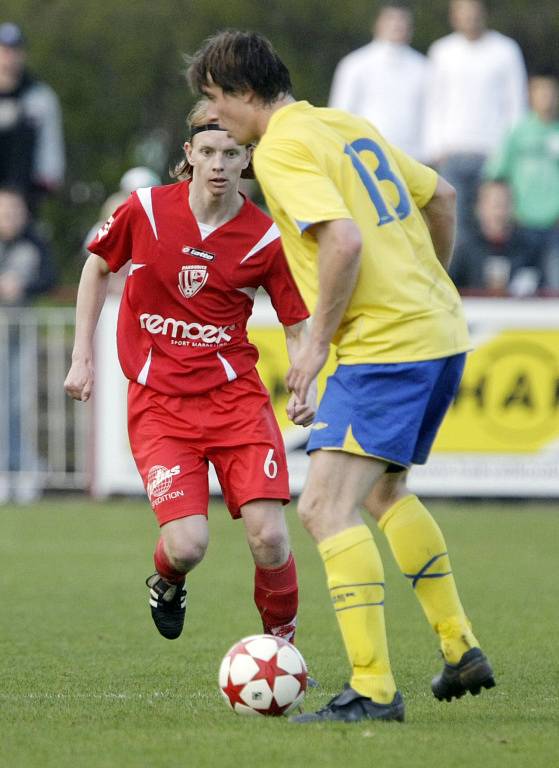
pixel 200 114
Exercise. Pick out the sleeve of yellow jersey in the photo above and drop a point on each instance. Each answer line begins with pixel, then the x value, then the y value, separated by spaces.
pixel 290 175
pixel 420 179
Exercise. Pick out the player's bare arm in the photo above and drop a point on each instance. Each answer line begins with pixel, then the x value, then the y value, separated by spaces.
pixel 440 215
pixel 301 413
pixel 92 292
pixel 339 256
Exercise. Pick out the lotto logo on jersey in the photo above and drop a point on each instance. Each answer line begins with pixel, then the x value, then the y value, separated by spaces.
pixel 192 279
pixel 160 480
pixel 190 251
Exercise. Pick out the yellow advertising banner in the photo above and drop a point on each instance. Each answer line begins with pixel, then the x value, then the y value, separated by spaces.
pixel 508 400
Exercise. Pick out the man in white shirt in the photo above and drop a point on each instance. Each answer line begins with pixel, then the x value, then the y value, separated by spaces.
pixel 476 93
pixel 384 81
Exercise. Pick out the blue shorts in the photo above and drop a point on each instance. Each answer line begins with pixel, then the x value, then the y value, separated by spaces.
pixel 390 412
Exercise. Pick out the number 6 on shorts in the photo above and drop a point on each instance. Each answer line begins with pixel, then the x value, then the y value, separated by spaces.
pixel 270 465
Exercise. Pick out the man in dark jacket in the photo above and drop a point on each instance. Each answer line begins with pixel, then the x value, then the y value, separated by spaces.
pixel 31 136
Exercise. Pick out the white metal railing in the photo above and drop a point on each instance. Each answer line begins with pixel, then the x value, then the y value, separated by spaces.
pixel 43 434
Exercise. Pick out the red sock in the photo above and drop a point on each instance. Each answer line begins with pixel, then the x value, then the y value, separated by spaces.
pixel 276 595
pixel 164 567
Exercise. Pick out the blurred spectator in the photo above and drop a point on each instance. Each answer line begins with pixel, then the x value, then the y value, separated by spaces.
pixel 31 138
pixel 384 80
pixel 26 265
pixel 131 180
pixel 496 258
pixel 476 93
pixel 26 270
pixel 528 161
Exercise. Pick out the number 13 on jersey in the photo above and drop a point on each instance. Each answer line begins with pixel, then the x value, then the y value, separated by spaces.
pixel 383 173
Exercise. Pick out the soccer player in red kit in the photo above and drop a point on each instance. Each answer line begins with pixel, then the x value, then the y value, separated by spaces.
pixel 198 252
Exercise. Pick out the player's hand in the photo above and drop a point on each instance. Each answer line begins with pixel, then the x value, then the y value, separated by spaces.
pixel 305 368
pixel 79 381
pixel 303 413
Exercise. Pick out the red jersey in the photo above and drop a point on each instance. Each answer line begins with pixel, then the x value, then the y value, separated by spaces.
pixel 182 325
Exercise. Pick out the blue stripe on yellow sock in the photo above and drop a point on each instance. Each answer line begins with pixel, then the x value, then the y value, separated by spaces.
pixel 359 605
pixel 348 594
pixel 421 574
pixel 359 584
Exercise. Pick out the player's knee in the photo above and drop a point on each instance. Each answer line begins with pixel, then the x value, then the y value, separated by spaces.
pixel 185 553
pixel 270 545
pixel 273 538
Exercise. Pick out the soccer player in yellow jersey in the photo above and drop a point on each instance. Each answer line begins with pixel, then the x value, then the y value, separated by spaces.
pixel 368 233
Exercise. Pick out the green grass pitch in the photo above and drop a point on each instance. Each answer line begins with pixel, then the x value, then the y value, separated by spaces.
pixel 87 682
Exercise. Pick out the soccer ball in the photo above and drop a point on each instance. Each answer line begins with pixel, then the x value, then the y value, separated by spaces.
pixel 263 675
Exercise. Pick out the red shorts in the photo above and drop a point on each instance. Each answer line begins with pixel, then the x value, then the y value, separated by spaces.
pixel 233 426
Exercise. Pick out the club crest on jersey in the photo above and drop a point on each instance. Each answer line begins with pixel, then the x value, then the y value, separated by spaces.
pixel 192 279
pixel 189 251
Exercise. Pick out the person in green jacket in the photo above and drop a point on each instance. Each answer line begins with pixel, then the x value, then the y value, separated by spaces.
pixel 528 161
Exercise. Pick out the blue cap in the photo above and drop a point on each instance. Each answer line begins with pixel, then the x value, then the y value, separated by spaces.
pixel 11 35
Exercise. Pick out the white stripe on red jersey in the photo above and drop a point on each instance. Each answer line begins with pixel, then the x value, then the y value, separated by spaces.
pixel 144 196
pixel 269 237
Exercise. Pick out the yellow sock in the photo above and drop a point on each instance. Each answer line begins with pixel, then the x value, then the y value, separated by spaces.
pixel 356 582
pixel 420 551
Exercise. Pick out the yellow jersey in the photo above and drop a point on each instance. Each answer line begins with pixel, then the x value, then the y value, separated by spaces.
pixel 316 165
